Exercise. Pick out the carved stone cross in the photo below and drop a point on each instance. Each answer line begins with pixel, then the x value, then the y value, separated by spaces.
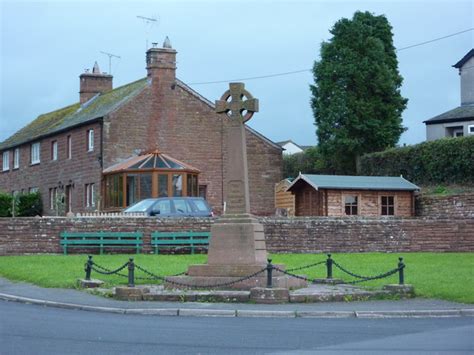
pixel 241 105
pixel 239 108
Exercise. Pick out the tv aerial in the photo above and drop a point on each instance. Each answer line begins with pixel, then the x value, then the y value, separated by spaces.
pixel 110 55
pixel 149 23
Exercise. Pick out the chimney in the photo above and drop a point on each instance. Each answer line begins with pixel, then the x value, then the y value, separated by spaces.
pixel 91 84
pixel 466 72
pixel 161 62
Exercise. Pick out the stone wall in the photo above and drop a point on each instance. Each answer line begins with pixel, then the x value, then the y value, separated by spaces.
pixel 284 235
pixel 453 206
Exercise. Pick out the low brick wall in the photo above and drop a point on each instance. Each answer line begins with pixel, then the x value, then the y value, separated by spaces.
pixel 284 235
pixel 453 206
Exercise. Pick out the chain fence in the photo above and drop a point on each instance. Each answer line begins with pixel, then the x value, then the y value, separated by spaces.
pixel 90 266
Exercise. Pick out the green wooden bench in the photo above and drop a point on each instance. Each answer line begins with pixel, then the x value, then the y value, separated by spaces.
pixel 101 240
pixel 177 240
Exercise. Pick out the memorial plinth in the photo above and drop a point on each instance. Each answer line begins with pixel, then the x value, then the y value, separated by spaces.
pixel 237 247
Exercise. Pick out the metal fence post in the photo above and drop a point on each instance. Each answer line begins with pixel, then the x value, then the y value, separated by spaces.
pixel 269 273
pixel 401 267
pixel 131 273
pixel 88 268
pixel 329 267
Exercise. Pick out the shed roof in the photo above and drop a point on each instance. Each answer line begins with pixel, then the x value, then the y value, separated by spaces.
pixel 347 182
pixel 459 114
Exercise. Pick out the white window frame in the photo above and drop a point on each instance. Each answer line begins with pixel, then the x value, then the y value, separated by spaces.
pixel 6 160
pixel 35 153
pixel 470 129
pixel 69 146
pixel 33 190
pixel 54 150
pixel 92 198
pixel 90 140
pixel 90 195
pixel 16 158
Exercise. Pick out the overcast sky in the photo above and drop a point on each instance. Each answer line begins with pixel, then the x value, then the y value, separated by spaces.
pixel 45 46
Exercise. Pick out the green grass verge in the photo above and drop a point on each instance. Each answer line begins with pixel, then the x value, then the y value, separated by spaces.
pixel 448 276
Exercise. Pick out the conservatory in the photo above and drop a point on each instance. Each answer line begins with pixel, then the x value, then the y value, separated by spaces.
pixel 152 174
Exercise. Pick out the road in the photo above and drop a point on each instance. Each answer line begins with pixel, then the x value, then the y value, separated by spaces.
pixel 31 329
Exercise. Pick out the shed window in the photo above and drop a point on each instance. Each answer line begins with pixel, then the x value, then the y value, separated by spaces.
pixel 388 206
pixel 350 205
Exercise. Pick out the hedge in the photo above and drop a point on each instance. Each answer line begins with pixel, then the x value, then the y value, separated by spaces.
pixel 26 205
pixel 5 204
pixel 443 161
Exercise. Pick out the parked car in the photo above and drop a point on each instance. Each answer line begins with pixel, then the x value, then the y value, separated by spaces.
pixel 173 207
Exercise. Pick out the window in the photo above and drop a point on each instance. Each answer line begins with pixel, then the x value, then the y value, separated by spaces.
pixel 350 205
pixel 54 150
pixel 35 153
pixel 89 195
pixel 6 161
pixel 69 147
pixel 33 190
pixel 90 140
pixel 53 195
pixel 16 158
pixel 388 205
pixel 470 129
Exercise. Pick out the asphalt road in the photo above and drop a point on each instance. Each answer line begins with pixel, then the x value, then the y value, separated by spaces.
pixel 31 329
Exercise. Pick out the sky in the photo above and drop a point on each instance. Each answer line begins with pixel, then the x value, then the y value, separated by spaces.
pixel 46 45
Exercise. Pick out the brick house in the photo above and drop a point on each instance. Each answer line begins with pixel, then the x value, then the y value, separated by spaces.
pixel 65 152
pixel 337 196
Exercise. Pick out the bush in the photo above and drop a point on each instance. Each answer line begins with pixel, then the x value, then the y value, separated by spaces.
pixel 29 205
pixel 443 161
pixel 5 204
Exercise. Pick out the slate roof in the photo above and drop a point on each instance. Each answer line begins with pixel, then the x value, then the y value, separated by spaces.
pixel 75 115
pixel 346 182
pixel 464 59
pixel 97 107
pixel 459 114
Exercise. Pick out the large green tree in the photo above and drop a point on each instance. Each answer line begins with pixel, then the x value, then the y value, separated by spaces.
pixel 356 96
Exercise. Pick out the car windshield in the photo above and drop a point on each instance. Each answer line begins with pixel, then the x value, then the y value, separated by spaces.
pixel 141 206
pixel 201 205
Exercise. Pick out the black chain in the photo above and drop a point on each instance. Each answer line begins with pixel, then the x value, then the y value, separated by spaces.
pixel 292 275
pixel 105 271
pixel 350 273
pixel 306 266
pixel 381 276
pixel 156 277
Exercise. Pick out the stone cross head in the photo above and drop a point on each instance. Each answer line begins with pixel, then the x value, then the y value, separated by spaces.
pixel 238 101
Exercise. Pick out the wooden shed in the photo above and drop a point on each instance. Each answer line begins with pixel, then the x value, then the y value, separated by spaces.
pixel 284 199
pixel 337 195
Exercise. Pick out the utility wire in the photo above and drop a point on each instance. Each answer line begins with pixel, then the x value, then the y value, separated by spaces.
pixel 307 70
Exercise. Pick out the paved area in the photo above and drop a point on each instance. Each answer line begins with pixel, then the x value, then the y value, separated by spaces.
pixel 69 298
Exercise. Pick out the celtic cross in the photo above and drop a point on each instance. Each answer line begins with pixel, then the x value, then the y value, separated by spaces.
pixel 233 101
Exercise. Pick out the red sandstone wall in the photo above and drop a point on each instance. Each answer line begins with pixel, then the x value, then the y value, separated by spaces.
pixel 284 235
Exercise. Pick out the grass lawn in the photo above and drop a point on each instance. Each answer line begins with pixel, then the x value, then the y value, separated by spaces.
pixel 448 276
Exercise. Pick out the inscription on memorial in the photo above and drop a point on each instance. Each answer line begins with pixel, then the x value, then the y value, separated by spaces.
pixel 236 197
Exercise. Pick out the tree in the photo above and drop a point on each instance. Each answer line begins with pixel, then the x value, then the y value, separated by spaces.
pixel 307 162
pixel 356 97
